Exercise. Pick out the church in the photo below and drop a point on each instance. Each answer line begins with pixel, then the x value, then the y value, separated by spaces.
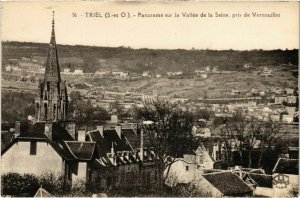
pixel 105 157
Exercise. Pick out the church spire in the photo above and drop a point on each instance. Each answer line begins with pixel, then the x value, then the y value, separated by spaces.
pixel 52 100
pixel 52 72
pixel 52 41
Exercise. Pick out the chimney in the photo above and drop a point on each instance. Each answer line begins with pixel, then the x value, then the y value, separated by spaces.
pixel 71 128
pixel 17 128
pixel 118 130
pixel 239 168
pixel 112 148
pixel 114 119
pixel 100 129
pixel 48 130
pixel 81 135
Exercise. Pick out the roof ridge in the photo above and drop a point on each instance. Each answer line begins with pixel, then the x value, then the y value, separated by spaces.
pixel 80 141
pixel 226 171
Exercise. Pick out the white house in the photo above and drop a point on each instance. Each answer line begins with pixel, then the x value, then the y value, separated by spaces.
pixel 47 148
pixel 183 170
pixel 78 71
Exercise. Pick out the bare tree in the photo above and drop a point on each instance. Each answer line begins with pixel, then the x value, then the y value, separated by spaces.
pixel 234 133
pixel 169 136
pixel 268 133
pixel 244 134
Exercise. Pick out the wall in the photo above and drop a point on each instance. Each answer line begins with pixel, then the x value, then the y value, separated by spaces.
pixel 263 192
pixel 203 158
pixel 18 159
pixel 179 174
pixel 81 173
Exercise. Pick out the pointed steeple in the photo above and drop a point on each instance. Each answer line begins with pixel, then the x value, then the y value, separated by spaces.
pixel 52 73
pixel 52 97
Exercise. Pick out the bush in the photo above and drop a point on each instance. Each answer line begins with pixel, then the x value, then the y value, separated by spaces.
pixel 54 183
pixel 17 185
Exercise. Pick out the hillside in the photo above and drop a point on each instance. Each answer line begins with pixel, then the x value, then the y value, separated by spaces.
pixel 137 60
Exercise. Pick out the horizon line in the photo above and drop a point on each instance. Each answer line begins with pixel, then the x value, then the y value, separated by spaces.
pixel 140 48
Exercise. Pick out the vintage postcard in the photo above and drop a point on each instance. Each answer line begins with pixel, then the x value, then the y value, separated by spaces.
pixel 140 99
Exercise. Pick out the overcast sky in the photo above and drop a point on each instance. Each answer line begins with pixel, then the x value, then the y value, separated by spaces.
pixel 31 21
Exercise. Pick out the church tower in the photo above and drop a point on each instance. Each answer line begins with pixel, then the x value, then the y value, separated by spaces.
pixel 51 103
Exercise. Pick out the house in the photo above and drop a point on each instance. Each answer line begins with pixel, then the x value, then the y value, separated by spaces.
pixel 203 75
pixel 192 162
pixel 102 72
pixel 174 73
pixel 289 91
pixel 215 70
pixel 207 69
pixel 47 147
pixel 290 110
pixel 119 74
pixel 224 183
pixel 288 118
pixel 78 72
pixel 67 71
pixel 247 66
pixel 253 92
pixel 280 99
pixel 291 99
pixel 120 158
pixel 285 177
pixel 8 68
pixel 146 74
pixel 182 170
pixel 234 92
pixel 29 66
pixel 266 72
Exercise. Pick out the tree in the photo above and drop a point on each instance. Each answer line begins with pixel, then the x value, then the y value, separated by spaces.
pixel 169 136
pixel 269 131
pixel 243 134
pixel 234 134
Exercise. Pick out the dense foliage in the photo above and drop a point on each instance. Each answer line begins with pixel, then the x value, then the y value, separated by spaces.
pixel 26 185
pixel 84 112
pixel 16 105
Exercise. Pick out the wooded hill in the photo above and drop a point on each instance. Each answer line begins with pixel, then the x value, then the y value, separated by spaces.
pixel 91 58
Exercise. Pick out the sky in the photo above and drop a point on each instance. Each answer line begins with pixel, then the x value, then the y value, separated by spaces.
pixel 31 22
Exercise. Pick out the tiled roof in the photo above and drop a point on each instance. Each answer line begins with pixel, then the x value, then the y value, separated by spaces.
pixel 287 166
pixel 133 137
pixel 110 137
pixel 262 180
pixel 81 150
pixel 228 183
pixel 36 131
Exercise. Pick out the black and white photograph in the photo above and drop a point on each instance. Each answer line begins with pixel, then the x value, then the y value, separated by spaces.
pixel 149 99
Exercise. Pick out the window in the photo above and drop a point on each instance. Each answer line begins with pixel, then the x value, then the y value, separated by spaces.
pixel 33 148
pixel 187 168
